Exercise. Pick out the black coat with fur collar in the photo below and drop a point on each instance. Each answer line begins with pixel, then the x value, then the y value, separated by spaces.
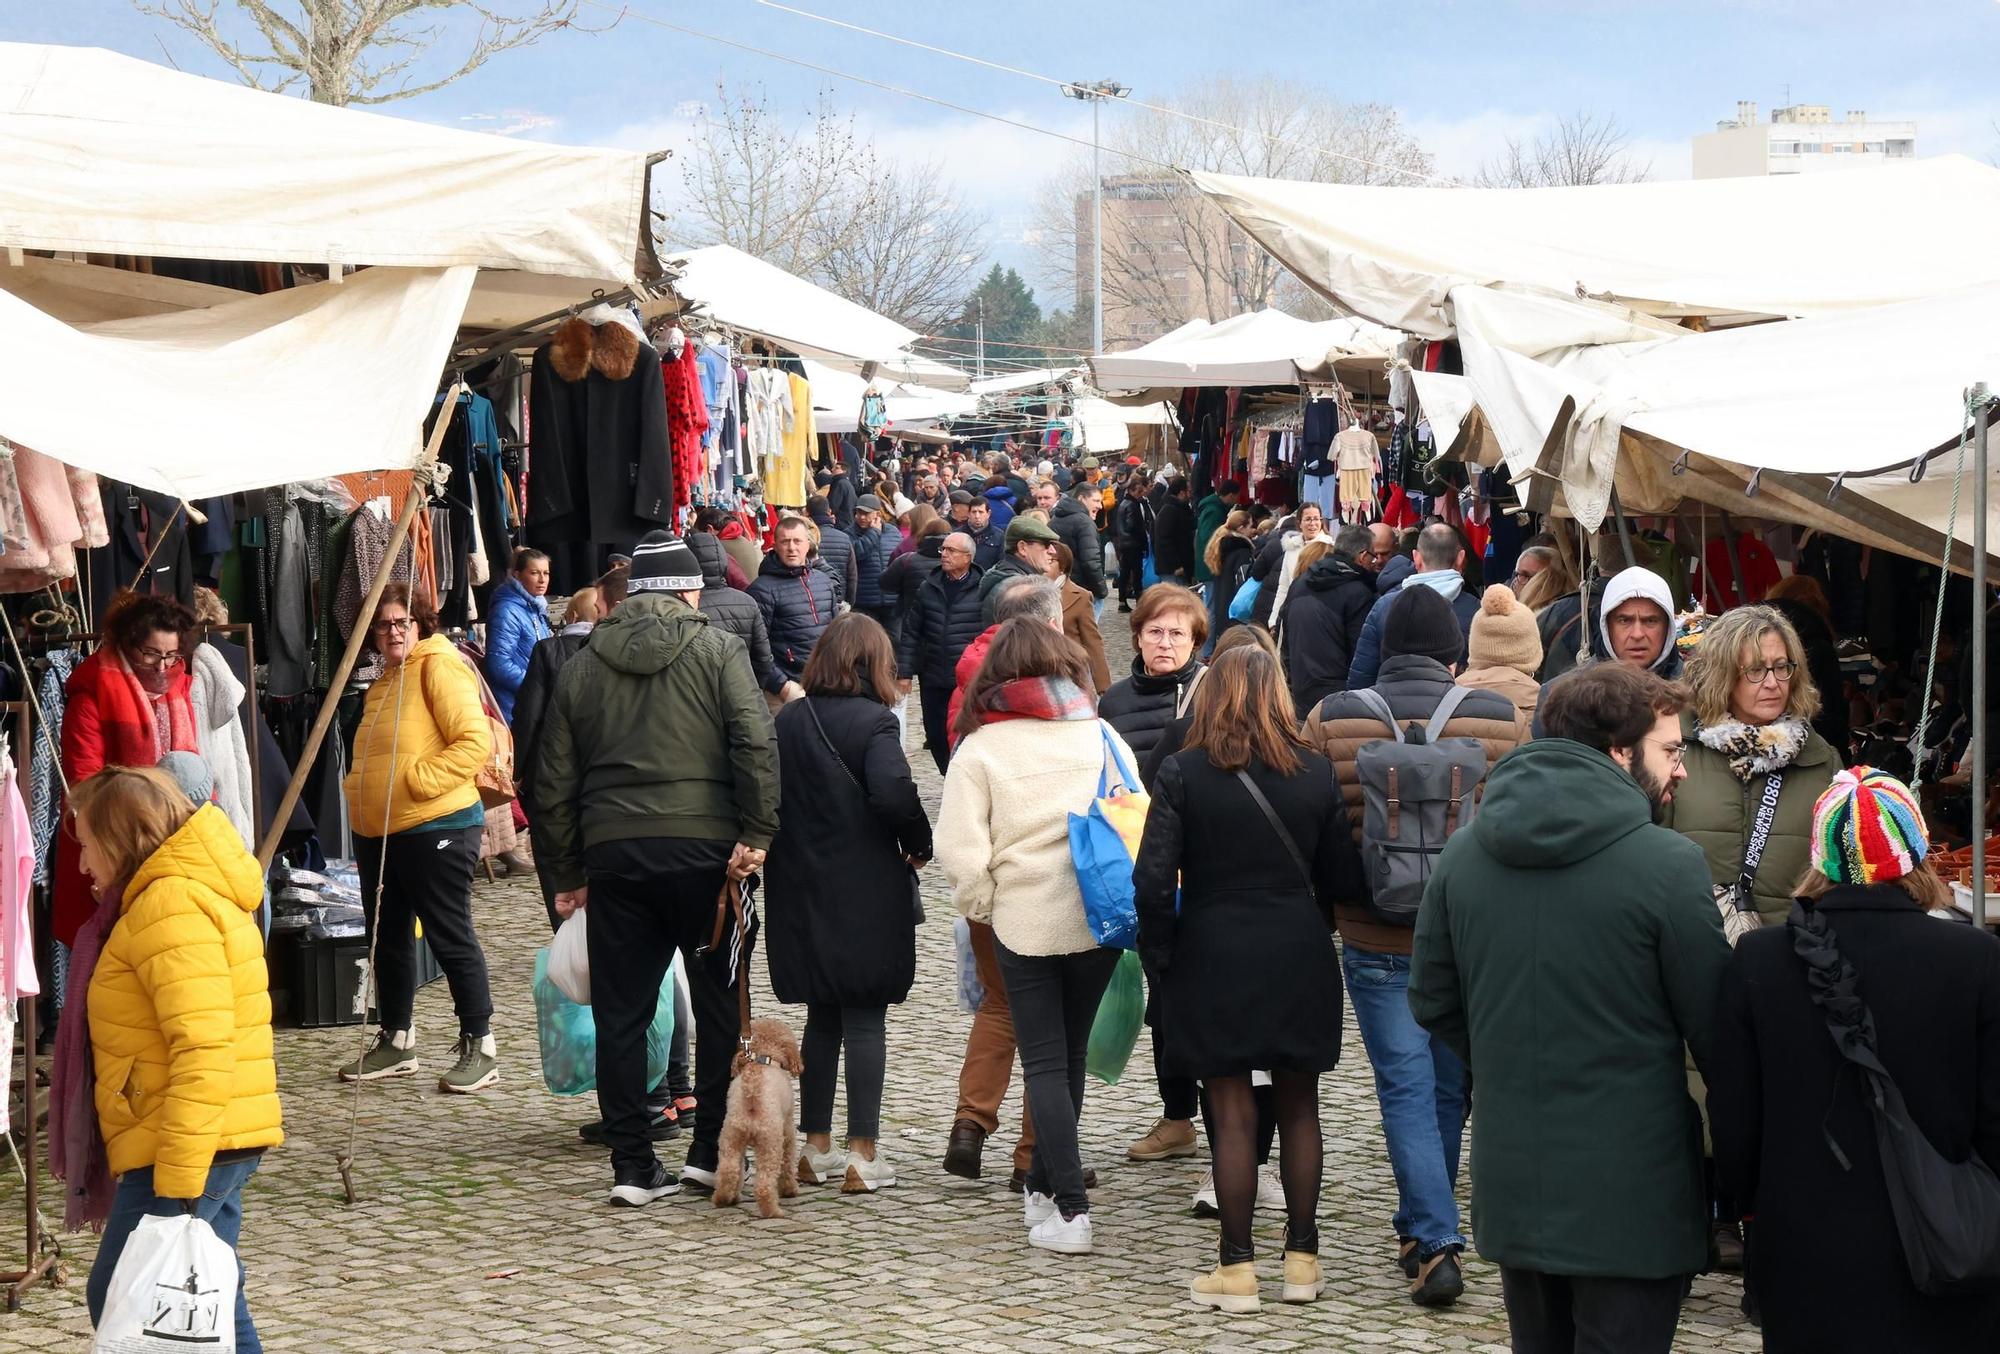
pixel 602 465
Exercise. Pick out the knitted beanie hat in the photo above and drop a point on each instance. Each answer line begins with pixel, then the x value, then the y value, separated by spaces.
pixel 662 562
pixel 1867 829
pixel 191 773
pixel 1504 633
pixel 1421 622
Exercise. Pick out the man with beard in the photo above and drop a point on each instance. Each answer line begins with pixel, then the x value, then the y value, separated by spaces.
pixel 1567 950
pixel 1420 1083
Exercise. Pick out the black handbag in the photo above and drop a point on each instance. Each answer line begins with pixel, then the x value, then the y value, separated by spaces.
pixel 1947 1212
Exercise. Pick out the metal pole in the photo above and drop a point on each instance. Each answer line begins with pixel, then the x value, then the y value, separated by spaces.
pixel 1097 231
pixel 1980 639
pixel 982 339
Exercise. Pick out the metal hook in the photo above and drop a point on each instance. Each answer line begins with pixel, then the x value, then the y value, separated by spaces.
pixel 1917 469
pixel 1838 481
pixel 1750 490
pixel 1681 463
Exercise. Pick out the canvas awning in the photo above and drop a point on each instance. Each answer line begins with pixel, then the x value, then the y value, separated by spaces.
pixel 1264 347
pixel 107 154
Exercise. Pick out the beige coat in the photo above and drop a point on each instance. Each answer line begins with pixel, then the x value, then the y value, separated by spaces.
pixel 1516 685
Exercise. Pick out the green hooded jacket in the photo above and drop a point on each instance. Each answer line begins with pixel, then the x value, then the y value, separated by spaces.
pixel 1566 950
pixel 1209 515
pixel 657 729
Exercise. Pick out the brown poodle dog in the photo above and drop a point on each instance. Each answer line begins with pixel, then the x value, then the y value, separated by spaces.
pixel 763 1116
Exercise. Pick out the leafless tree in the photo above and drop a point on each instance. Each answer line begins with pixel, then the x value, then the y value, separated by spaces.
pixel 818 200
pixel 1580 149
pixel 356 51
pixel 1169 254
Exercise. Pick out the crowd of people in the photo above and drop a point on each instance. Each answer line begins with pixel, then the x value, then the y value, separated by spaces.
pixel 1588 881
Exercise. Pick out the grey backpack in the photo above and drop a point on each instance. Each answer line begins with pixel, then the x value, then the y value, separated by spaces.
pixel 1416 790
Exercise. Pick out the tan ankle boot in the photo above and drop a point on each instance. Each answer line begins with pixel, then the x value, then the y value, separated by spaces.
pixel 1302 1278
pixel 1230 1288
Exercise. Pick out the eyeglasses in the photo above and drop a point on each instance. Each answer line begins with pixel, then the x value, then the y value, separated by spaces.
pixel 1677 753
pixel 157 658
pixel 953 550
pixel 1757 676
pixel 395 626
pixel 1160 634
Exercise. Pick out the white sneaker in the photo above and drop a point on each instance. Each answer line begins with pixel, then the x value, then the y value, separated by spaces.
pixel 1036 1209
pixel 1070 1236
pixel 816 1168
pixel 865 1177
pixel 1204 1198
pixel 1270 1190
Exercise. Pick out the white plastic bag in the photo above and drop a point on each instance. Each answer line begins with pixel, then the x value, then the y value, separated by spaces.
pixel 971 992
pixel 569 959
pixel 175 1285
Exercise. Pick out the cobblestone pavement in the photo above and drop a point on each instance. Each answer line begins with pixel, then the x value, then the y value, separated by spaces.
pixel 482 1223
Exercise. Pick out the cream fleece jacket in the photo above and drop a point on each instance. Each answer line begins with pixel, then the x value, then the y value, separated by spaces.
pixel 1003 831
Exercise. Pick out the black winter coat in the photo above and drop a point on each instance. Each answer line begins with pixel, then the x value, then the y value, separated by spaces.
pixel 1824 1257
pixel 839 901
pixel 1132 525
pixel 1242 952
pixel 1074 524
pixel 1232 572
pixel 1324 613
pixel 999 576
pixel 836 549
pixel 798 605
pixel 938 628
pixel 1173 540
pixel 988 545
pixel 603 465
pixel 531 702
pixel 1141 706
pixel 906 573
pixel 841 496
pixel 731 609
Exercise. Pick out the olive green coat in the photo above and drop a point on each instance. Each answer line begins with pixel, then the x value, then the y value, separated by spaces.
pixel 1713 809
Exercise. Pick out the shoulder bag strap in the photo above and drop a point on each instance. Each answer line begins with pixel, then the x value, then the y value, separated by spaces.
pixel 1760 834
pixel 1115 771
pixel 1187 697
pixel 1284 833
pixel 1447 708
pixel 839 760
pixel 1379 707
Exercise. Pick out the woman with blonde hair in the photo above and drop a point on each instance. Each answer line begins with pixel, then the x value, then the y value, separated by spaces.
pixel 179 1014
pixel 1235 922
pixel 1227 558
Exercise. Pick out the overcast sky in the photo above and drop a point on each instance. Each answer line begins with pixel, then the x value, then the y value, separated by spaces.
pixel 1465 74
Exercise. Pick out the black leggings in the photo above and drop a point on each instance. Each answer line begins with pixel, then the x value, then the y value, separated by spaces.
pixel 1232 1149
pixel 858 1030
pixel 426 876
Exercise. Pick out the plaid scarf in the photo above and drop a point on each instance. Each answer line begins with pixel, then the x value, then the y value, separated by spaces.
pixel 1053 698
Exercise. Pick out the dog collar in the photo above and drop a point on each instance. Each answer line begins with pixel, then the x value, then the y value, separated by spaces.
pixel 761 1059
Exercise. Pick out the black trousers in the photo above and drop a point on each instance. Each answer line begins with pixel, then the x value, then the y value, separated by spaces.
pixel 1054 1000
pixel 676 1082
pixel 642 910
pixel 429 879
pixel 1131 572
pixel 1586 1314
pixel 936 699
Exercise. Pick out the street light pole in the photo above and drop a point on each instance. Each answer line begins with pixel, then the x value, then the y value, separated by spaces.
pixel 1095 93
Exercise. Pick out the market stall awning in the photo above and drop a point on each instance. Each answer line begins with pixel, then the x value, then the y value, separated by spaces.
pixel 1782 246
pixel 836 399
pixel 1264 347
pixel 1033 379
pixel 106 154
pixel 737 291
pixel 296 384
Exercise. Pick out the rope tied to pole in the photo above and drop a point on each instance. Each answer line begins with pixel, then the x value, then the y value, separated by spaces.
pixel 1920 740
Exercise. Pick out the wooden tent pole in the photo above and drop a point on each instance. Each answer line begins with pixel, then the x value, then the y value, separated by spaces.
pixel 419 491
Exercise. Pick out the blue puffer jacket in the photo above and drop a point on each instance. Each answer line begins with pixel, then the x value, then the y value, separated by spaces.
pixel 871 556
pixel 798 605
pixel 518 623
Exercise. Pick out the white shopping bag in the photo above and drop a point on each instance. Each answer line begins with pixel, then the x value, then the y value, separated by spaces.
pixel 569 959
pixel 174 1288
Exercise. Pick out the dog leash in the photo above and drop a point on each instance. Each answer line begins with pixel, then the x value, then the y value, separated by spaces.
pixel 732 903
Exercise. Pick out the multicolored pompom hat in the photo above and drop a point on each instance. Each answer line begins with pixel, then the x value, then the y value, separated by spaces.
pixel 1867 829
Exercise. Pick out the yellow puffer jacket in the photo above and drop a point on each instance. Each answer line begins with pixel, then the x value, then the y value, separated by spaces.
pixel 421 762
pixel 180 1012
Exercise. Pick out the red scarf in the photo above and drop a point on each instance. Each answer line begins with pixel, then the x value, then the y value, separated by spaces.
pixel 1053 698
pixel 179 735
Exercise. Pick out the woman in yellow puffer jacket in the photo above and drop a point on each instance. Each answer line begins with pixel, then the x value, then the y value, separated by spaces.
pixel 417 825
pixel 180 1013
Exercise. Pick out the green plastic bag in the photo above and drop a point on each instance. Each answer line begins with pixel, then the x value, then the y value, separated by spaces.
pixel 1120 1013
pixel 567 1034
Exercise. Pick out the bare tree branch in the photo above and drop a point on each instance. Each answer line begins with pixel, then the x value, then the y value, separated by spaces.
pixel 357 51
pixel 1579 150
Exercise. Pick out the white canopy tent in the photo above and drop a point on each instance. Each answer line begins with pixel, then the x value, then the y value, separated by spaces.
pixel 1264 347
pixel 836 400
pixel 747 294
pixel 197 390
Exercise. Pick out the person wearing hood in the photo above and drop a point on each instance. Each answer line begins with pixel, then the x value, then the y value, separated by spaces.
pixel 741 543
pixel 1503 654
pixel 418 822
pixel 1795 1136
pixel 1030 543
pixel 1568 952
pixel 1000 501
pixel 798 602
pixel 179 1017
pixel 657 778
pixel 517 621
pixel 1635 626
pixel 1323 618
pixel 1209 515
pixel 1420 1084
pixel 1440 556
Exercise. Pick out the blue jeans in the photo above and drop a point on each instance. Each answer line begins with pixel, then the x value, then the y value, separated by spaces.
pixel 1420 1085
pixel 221 1207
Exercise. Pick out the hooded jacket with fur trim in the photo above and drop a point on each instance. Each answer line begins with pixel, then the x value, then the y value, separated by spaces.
pixel 597 408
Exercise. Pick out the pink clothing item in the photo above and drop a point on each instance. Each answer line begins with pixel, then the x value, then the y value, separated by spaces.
pixel 17 877
pixel 52 525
